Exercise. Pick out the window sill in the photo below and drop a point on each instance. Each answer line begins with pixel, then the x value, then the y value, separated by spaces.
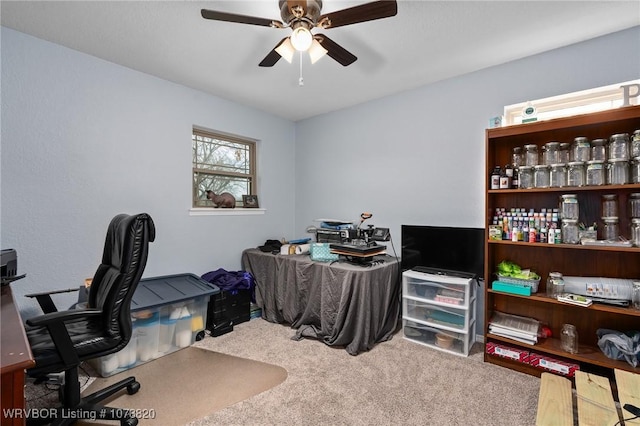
pixel 210 211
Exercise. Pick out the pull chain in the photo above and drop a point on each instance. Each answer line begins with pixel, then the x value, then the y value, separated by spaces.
pixel 301 80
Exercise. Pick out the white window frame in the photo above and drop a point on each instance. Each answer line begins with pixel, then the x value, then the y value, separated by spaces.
pixel 252 175
pixel 581 102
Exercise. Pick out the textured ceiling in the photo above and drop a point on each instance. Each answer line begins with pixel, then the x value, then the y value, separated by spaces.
pixel 426 42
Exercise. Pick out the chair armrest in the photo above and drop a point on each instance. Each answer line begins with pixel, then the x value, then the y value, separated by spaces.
pixel 55 325
pixel 62 316
pixel 46 302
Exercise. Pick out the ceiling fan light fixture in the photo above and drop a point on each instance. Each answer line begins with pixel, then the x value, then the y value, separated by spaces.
pixel 316 51
pixel 286 50
pixel 301 39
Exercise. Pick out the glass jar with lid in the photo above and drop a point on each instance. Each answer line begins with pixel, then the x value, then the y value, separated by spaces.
pixel 525 177
pixel 564 155
pixel 634 150
pixel 541 176
pixel 609 205
pixel 569 338
pixel 599 150
pixel 595 173
pixel 634 205
pixel 635 170
pixel 551 153
pixel 618 172
pixel 558 175
pixel 575 173
pixel 611 230
pixel 516 157
pixel 581 149
pixel 569 207
pixel 635 231
pixel 531 155
pixel 619 146
pixel 555 284
pixel 570 231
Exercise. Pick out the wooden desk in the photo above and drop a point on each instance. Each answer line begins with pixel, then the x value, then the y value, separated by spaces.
pixel 15 357
pixel 338 303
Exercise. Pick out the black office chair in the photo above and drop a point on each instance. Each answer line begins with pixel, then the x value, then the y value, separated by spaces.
pixel 60 341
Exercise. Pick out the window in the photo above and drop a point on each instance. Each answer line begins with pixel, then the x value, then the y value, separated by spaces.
pixel 582 102
pixel 222 163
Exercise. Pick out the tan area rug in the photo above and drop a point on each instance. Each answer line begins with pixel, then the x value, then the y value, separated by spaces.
pixel 191 383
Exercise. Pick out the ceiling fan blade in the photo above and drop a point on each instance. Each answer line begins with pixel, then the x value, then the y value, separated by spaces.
pixel 240 19
pixel 272 57
pixel 362 13
pixel 334 50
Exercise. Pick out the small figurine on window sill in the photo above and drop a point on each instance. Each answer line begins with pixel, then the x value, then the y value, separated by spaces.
pixel 224 200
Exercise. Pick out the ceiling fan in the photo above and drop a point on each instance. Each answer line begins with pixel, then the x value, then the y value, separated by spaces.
pixel 304 15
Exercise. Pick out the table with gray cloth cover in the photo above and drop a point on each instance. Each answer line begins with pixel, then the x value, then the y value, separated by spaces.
pixel 340 303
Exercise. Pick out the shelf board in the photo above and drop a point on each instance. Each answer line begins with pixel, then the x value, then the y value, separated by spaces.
pixel 594 307
pixel 565 189
pixel 586 354
pixel 567 246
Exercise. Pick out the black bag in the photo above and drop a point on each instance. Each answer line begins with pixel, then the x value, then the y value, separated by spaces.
pixel 271 246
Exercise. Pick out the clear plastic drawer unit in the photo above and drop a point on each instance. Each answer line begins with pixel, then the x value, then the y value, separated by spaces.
pixel 439 311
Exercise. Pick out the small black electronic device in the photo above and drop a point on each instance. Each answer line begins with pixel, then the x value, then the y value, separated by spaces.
pixel 324 235
pixel 380 234
pixel 632 409
pixel 9 267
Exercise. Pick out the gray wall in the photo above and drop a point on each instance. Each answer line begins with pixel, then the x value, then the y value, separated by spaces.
pixel 83 139
pixel 418 157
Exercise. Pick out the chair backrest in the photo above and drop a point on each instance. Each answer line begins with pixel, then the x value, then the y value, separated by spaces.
pixel 123 262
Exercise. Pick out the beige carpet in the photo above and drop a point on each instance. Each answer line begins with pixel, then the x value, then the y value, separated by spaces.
pixel 396 383
pixel 191 383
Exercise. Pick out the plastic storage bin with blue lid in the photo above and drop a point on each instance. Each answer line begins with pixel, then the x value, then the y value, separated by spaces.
pixel 168 312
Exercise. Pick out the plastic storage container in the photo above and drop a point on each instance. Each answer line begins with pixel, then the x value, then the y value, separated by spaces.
pixel 581 149
pixel 618 172
pixel 599 150
pixel 635 170
pixel 541 176
pixel 619 147
pixel 634 204
pixel 595 173
pixel 569 207
pixel 558 175
pixel 161 307
pixel 609 205
pixel 147 333
pixel 576 173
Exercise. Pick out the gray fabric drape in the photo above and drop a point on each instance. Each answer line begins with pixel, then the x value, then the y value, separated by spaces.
pixel 340 303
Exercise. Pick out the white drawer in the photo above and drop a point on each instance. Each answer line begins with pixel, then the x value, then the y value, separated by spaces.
pixel 445 317
pixel 444 340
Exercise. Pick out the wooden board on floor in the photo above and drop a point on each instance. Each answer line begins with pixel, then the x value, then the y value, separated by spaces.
pixel 555 403
pixel 596 406
pixel 628 393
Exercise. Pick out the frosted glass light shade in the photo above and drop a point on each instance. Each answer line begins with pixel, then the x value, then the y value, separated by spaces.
pixel 316 51
pixel 286 50
pixel 301 39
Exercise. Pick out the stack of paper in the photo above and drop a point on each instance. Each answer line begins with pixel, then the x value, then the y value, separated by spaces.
pixel 521 329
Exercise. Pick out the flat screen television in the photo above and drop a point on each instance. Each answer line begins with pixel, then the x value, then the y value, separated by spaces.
pixel 443 247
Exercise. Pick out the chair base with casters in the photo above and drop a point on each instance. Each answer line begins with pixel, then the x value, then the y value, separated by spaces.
pixel 61 340
pixel 89 407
